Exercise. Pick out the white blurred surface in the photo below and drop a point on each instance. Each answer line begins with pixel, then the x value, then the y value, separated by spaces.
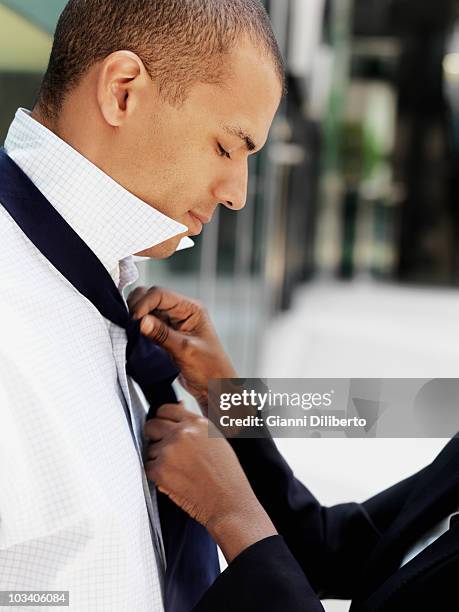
pixel 365 330
pixel 362 330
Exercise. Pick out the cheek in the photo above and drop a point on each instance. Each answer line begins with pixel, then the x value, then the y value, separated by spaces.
pixel 181 177
pixel 189 180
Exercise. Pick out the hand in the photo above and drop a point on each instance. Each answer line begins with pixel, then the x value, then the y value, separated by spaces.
pixel 183 327
pixel 195 466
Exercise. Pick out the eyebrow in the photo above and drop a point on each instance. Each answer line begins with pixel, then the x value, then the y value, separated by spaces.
pixel 240 133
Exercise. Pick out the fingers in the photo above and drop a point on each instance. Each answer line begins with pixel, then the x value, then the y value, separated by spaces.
pixel 166 419
pixel 155 450
pixel 155 329
pixel 173 412
pixel 153 466
pixel 177 307
pixel 158 429
pixel 162 334
pixel 135 297
pixel 153 299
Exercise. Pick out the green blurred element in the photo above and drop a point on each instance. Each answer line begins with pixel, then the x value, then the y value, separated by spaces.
pixel 42 13
pixel 360 152
pixel 351 152
pixel 340 37
pixel 23 46
pixel 373 153
pixel 26 29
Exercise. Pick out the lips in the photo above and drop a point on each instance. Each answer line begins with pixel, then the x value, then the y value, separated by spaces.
pixel 201 218
pixel 196 225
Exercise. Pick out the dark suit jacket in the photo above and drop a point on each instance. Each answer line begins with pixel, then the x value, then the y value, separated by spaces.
pixel 350 551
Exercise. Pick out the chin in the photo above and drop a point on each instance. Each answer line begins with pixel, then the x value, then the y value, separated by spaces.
pixel 163 250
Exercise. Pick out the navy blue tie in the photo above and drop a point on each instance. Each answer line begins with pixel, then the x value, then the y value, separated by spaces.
pixel 191 555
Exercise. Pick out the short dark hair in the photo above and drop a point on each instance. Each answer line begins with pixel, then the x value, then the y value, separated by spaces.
pixel 181 42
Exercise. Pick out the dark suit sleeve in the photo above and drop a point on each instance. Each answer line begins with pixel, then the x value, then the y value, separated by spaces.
pixel 265 577
pixel 331 544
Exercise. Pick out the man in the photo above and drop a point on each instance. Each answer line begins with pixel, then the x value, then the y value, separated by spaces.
pixel 144 123
pixel 396 552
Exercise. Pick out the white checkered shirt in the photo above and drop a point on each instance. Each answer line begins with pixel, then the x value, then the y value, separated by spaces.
pixel 76 511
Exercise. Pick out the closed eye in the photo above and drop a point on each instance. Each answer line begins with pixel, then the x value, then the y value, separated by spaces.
pixel 222 152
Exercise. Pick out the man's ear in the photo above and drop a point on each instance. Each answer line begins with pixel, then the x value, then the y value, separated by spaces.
pixel 120 77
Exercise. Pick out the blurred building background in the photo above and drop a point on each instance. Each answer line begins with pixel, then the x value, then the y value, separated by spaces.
pixel 345 261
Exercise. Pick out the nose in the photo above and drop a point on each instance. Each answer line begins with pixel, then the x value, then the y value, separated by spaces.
pixel 232 190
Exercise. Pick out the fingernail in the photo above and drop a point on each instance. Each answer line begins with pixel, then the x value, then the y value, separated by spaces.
pixel 147 325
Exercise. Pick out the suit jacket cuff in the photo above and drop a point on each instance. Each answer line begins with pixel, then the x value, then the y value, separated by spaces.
pixel 265 577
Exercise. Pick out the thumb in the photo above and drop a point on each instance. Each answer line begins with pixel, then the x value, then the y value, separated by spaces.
pixel 161 333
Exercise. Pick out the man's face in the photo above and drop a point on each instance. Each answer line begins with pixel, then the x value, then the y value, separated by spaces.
pixel 186 160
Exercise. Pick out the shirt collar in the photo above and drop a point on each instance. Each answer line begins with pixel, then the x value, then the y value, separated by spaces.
pixel 113 222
